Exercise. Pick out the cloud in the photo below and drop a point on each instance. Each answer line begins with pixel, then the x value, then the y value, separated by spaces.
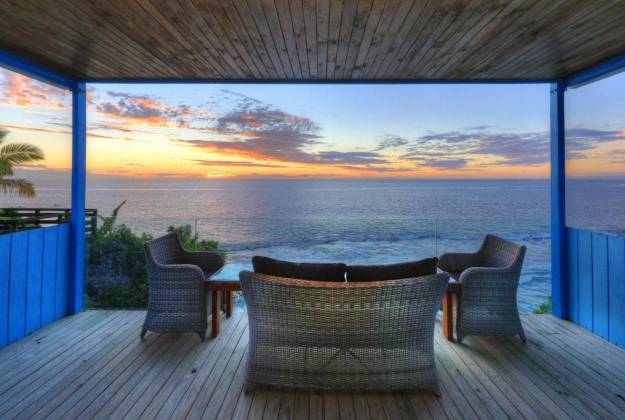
pixel 617 156
pixel 258 131
pixel 112 127
pixel 391 141
pixel 145 109
pixel 36 129
pixel 446 163
pixel 458 149
pixel 353 158
pixel 524 149
pixel 377 169
pixel 231 163
pixel 579 141
pixel 284 145
pixel 65 132
pixel 24 92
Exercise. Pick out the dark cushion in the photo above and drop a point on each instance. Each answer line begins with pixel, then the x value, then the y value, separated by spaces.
pixel 405 270
pixel 303 271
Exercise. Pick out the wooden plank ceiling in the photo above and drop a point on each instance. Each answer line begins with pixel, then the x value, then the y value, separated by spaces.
pixel 308 39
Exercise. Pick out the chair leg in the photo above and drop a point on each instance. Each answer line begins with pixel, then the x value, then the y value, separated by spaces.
pixel 143 331
pixel 437 390
pixel 522 336
pixel 448 316
pixel 215 315
pixel 248 388
pixel 202 334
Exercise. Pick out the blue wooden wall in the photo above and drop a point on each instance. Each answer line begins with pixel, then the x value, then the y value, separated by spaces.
pixel 596 282
pixel 34 280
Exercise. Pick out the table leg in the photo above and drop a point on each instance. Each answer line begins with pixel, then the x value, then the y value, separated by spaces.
pixel 229 303
pixel 215 314
pixel 448 316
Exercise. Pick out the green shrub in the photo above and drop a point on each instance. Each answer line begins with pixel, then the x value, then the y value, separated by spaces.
pixel 135 296
pixel 191 242
pixel 544 308
pixel 116 272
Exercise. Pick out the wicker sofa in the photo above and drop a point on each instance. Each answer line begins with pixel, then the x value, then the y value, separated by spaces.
pixel 490 279
pixel 177 301
pixel 362 336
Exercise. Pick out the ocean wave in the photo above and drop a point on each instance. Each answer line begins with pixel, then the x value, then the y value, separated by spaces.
pixel 305 243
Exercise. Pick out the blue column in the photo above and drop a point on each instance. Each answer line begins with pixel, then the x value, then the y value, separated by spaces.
pixel 558 232
pixel 79 175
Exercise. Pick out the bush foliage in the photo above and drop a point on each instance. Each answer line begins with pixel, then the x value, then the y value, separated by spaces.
pixel 544 308
pixel 116 272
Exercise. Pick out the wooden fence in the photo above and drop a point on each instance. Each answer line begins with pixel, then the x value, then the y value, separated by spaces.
pixel 596 282
pixel 34 280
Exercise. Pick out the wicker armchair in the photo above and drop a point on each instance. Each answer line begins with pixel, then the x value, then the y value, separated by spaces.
pixel 488 297
pixel 177 301
pixel 342 336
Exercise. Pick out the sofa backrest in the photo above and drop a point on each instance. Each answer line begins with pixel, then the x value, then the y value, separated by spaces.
pixel 405 270
pixel 382 313
pixel 339 272
pixel 305 271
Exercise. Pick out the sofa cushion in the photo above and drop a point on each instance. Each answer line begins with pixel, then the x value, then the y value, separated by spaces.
pixel 304 271
pixel 425 267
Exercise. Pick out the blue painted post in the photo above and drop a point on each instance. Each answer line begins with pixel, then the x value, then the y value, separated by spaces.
pixel 558 244
pixel 79 175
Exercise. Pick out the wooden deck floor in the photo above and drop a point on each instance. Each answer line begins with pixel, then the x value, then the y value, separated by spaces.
pixel 94 365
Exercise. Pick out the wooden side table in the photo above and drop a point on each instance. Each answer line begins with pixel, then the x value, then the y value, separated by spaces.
pixel 453 288
pixel 217 287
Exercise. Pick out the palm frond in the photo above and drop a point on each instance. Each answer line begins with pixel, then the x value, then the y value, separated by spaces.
pixel 16 153
pixel 17 186
pixel 5 168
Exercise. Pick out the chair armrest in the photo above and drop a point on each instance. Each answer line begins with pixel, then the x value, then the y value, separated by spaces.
pixel 187 271
pixel 208 261
pixel 456 262
pixel 482 275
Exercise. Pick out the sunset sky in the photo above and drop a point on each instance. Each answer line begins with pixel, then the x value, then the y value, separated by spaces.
pixel 320 131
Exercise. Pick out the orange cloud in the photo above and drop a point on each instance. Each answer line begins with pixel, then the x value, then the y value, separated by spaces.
pixel 146 110
pixel 24 92
pixel 90 134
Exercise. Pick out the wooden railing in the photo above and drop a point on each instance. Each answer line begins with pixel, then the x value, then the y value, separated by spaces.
pixel 18 219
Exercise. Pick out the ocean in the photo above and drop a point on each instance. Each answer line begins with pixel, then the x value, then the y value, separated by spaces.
pixel 352 221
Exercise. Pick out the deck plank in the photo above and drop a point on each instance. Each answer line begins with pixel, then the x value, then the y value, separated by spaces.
pixel 106 356
pixel 100 384
pixel 235 395
pixel 218 374
pixel 494 395
pixel 37 348
pixel 190 385
pixel 93 365
pixel 30 381
pixel 552 394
